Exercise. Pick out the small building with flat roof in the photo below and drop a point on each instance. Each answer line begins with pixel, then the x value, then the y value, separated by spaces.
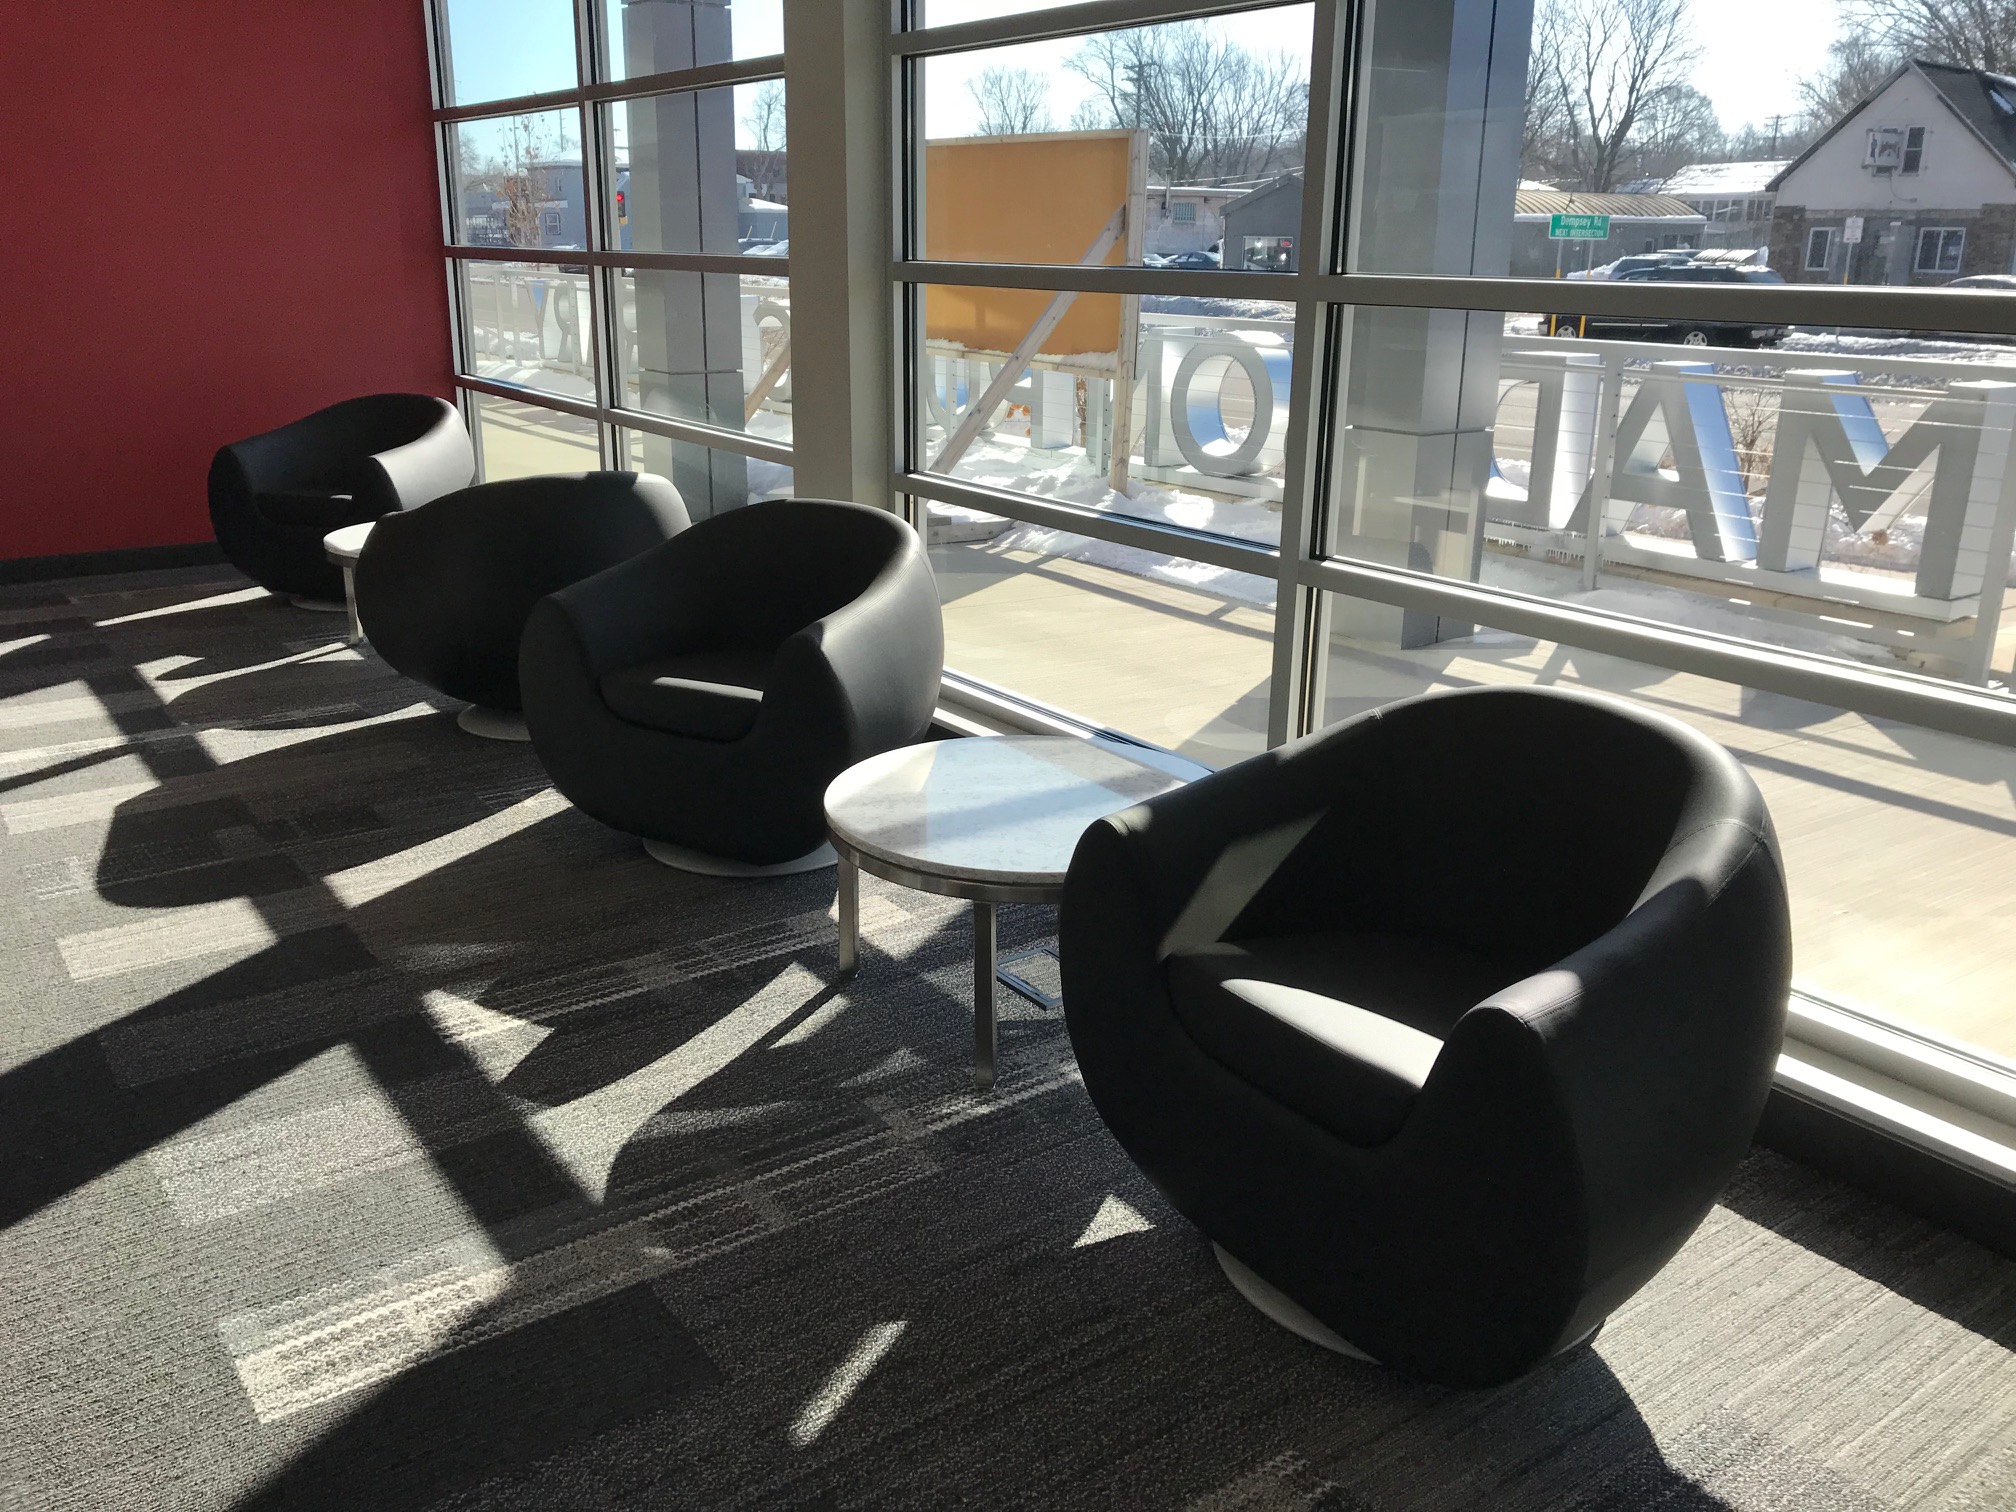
pixel 1638 223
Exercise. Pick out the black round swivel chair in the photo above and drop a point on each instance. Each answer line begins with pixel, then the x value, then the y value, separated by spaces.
pixel 1446 1025
pixel 702 696
pixel 443 591
pixel 274 496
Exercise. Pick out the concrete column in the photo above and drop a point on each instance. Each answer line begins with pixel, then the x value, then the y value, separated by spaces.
pixel 843 325
pixel 1442 90
pixel 682 198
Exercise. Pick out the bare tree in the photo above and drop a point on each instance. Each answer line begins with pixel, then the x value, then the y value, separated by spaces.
pixel 521 175
pixel 1544 131
pixel 1968 33
pixel 764 122
pixel 1780 137
pixel 1012 101
pixel 1612 62
pixel 1210 107
pixel 1857 64
pixel 1677 127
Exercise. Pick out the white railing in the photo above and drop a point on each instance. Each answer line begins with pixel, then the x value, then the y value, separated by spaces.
pixel 530 327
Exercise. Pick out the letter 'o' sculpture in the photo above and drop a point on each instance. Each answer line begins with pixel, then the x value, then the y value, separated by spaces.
pixel 1445 1025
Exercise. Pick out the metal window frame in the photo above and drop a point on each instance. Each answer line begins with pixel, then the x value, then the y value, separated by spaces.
pixel 600 257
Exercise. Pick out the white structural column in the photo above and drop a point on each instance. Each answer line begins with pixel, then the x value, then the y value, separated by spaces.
pixel 682 198
pixel 1442 87
pixel 843 325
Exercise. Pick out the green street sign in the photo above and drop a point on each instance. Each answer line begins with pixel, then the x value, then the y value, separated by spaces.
pixel 1578 228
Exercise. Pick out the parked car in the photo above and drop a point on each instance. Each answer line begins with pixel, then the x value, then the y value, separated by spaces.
pixel 1689 332
pixel 1633 262
pixel 1154 260
pixel 1195 262
pixel 2006 281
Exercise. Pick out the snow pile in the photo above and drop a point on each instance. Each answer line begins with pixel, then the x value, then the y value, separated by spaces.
pixel 1245 309
pixel 1941 349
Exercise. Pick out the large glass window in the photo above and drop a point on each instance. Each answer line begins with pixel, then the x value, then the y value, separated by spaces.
pixel 644 37
pixel 1140 407
pixel 523 440
pixel 683 184
pixel 617 214
pixel 518 183
pixel 1806 489
pixel 529 324
pixel 1171 651
pixel 1204 317
pixel 503 49
pixel 1714 465
pixel 1182 141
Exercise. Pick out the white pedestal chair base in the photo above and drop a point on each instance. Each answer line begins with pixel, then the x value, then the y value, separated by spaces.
pixel 318 606
pixel 682 859
pixel 493 724
pixel 1278 1306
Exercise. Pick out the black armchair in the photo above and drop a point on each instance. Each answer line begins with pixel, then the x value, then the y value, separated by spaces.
pixel 443 591
pixel 704 694
pixel 273 497
pixel 1445 1025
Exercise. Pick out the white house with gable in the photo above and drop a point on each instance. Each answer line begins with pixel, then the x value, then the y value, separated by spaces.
pixel 1915 185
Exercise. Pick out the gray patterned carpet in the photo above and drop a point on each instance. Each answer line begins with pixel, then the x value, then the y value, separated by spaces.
pixel 377 1132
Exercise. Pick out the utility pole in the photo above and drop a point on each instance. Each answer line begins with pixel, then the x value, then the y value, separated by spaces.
pixel 1774 135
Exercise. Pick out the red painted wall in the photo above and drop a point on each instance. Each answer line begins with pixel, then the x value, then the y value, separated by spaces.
pixel 222 215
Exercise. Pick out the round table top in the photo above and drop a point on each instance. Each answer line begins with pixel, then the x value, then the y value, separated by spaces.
pixel 347 544
pixel 998 810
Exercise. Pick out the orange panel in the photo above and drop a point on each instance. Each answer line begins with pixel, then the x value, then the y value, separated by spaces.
pixel 1034 199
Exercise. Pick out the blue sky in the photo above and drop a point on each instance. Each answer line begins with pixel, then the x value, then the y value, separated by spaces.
pixel 1753 54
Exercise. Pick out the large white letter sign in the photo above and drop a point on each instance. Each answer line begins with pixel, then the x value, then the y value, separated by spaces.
pixel 1671 412
pixel 1830 445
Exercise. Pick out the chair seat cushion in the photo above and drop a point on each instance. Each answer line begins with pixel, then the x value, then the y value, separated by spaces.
pixel 706 695
pixel 1342 1027
pixel 311 509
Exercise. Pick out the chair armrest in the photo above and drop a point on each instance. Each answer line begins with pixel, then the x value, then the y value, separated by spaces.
pixel 404 477
pixel 1662 1037
pixel 873 665
pixel 652 606
pixel 1200 855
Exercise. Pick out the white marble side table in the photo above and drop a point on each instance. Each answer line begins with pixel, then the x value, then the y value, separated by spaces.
pixel 990 819
pixel 343 547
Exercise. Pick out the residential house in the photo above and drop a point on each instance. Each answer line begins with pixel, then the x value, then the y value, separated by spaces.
pixel 1915 185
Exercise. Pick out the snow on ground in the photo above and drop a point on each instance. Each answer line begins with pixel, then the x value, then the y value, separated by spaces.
pixel 1803 340
pixel 1245 309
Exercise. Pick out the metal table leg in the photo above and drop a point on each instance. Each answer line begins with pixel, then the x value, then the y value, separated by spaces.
pixel 350 603
pixel 983 995
pixel 850 917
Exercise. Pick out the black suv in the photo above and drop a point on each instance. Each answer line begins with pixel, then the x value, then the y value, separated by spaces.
pixel 1686 332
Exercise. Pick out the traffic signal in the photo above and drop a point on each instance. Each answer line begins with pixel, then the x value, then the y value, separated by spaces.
pixel 622 209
